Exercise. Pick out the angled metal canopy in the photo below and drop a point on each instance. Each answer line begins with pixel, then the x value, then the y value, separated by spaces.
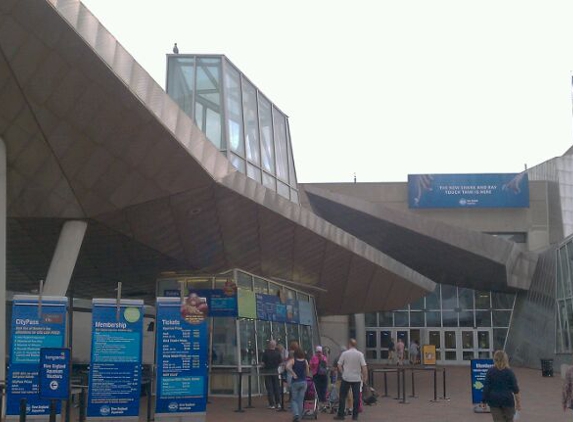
pixel 91 136
pixel 443 253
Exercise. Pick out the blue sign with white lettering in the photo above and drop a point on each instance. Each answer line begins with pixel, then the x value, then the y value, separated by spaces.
pixel 182 344
pixel 115 368
pixel 479 368
pixel 275 308
pixel 468 190
pixel 55 372
pixel 33 328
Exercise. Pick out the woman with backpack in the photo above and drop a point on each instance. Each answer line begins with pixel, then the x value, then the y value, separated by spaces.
pixel 319 370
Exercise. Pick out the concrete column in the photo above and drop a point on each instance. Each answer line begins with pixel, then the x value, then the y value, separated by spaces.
pixel 65 257
pixel 2 262
pixel 360 326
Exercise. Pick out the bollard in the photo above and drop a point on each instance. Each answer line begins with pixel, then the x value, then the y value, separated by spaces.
pixel 82 404
pixel 22 410
pixel 240 404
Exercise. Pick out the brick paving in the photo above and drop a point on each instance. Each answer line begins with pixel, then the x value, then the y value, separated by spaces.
pixel 541 399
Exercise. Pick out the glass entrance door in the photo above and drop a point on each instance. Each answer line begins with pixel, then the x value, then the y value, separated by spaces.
pixel 459 345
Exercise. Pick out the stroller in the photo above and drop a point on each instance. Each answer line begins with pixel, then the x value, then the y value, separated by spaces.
pixel 310 404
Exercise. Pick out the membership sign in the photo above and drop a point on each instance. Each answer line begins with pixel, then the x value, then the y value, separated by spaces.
pixel 182 373
pixel 479 368
pixel 115 369
pixel 33 327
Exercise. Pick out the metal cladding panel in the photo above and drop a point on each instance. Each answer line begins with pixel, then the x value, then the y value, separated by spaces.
pixel 443 253
pixel 92 136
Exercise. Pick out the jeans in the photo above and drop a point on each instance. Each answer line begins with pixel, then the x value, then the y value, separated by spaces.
pixel 298 388
pixel 273 389
pixel 344 387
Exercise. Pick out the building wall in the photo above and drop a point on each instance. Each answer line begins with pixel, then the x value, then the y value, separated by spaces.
pixel 535 220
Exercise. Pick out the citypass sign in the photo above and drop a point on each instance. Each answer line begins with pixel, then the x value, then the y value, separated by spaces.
pixel 507 190
pixel 37 323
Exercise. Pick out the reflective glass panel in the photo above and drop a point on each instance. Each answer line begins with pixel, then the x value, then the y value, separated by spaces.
pixel 483 319
pixel 180 82
pixel 433 299
pixel 385 319
pixel 449 297
pixel 269 181
pixel 370 338
pixel 282 189
pixel 450 318
pixel 467 355
pixel 254 173
pixel 466 319
pixel 266 128
pixel 293 333
pixel 482 300
pixel 435 339
pixel 234 110
pixel 483 339
pixel 251 122
pixel 263 336
pixel 274 288
pixel 291 169
pixel 237 162
pixel 450 339
pixel 467 339
pixel 247 333
pixel 370 319
pixel 417 305
pixel 401 319
pixel 385 337
pixel 260 286
pixel 416 319
pixel 294 196
pixel 501 318
pixel 279 332
pixel 208 99
pixel 224 350
pixel 371 354
pixel 433 319
pixel 280 145
pixel 466 298
pixel 499 335
pixel 306 338
pixel 244 281
pixel 502 300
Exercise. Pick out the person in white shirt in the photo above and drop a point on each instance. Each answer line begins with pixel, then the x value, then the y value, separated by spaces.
pixel 352 366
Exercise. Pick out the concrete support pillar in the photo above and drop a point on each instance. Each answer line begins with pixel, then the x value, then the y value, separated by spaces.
pixel 65 257
pixel 2 262
pixel 360 326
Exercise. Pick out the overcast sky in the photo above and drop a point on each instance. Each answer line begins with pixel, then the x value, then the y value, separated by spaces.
pixel 383 88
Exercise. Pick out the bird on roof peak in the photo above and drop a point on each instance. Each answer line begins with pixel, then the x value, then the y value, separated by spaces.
pixel 175 49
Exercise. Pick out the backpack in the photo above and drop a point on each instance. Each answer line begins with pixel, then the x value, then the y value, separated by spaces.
pixel 322 368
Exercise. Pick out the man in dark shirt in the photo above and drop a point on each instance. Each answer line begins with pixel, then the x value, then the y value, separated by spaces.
pixel 271 360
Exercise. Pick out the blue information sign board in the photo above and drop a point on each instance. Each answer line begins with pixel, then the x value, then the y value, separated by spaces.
pixel 479 368
pixel 33 328
pixel 115 369
pixel 55 369
pixel 182 343
pixel 273 308
pixel 468 190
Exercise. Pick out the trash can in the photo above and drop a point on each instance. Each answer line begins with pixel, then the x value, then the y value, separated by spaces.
pixel 547 367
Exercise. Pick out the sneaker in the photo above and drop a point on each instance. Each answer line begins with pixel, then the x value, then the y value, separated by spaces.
pixel 338 418
pixel 271 407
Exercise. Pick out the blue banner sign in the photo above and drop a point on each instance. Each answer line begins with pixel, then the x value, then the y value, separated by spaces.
pixel 221 302
pixel 479 368
pixel 55 369
pixel 468 190
pixel 182 344
pixel 115 368
pixel 276 308
pixel 33 328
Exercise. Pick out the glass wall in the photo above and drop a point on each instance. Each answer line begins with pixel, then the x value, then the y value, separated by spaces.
pixel 466 323
pixel 236 117
pixel 564 297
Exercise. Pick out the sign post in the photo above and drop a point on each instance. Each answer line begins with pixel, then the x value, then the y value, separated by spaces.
pixel 115 369
pixel 34 328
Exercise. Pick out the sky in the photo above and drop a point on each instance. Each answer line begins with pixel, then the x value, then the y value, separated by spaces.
pixel 383 88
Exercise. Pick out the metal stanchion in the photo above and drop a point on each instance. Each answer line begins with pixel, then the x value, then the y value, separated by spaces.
pixel 282 409
pixel 1 399
pixel 23 410
pixel 435 386
pixel 250 396
pixel 404 401
pixel 385 385
pixel 149 398
pixel 444 397
pixel 397 384
pixel 371 377
pixel 240 403
pixel 413 385
pixel 52 411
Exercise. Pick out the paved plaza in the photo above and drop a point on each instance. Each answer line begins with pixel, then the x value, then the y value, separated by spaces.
pixel 541 398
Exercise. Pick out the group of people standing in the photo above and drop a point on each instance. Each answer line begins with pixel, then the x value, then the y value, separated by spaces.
pixel 397 352
pixel 350 365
